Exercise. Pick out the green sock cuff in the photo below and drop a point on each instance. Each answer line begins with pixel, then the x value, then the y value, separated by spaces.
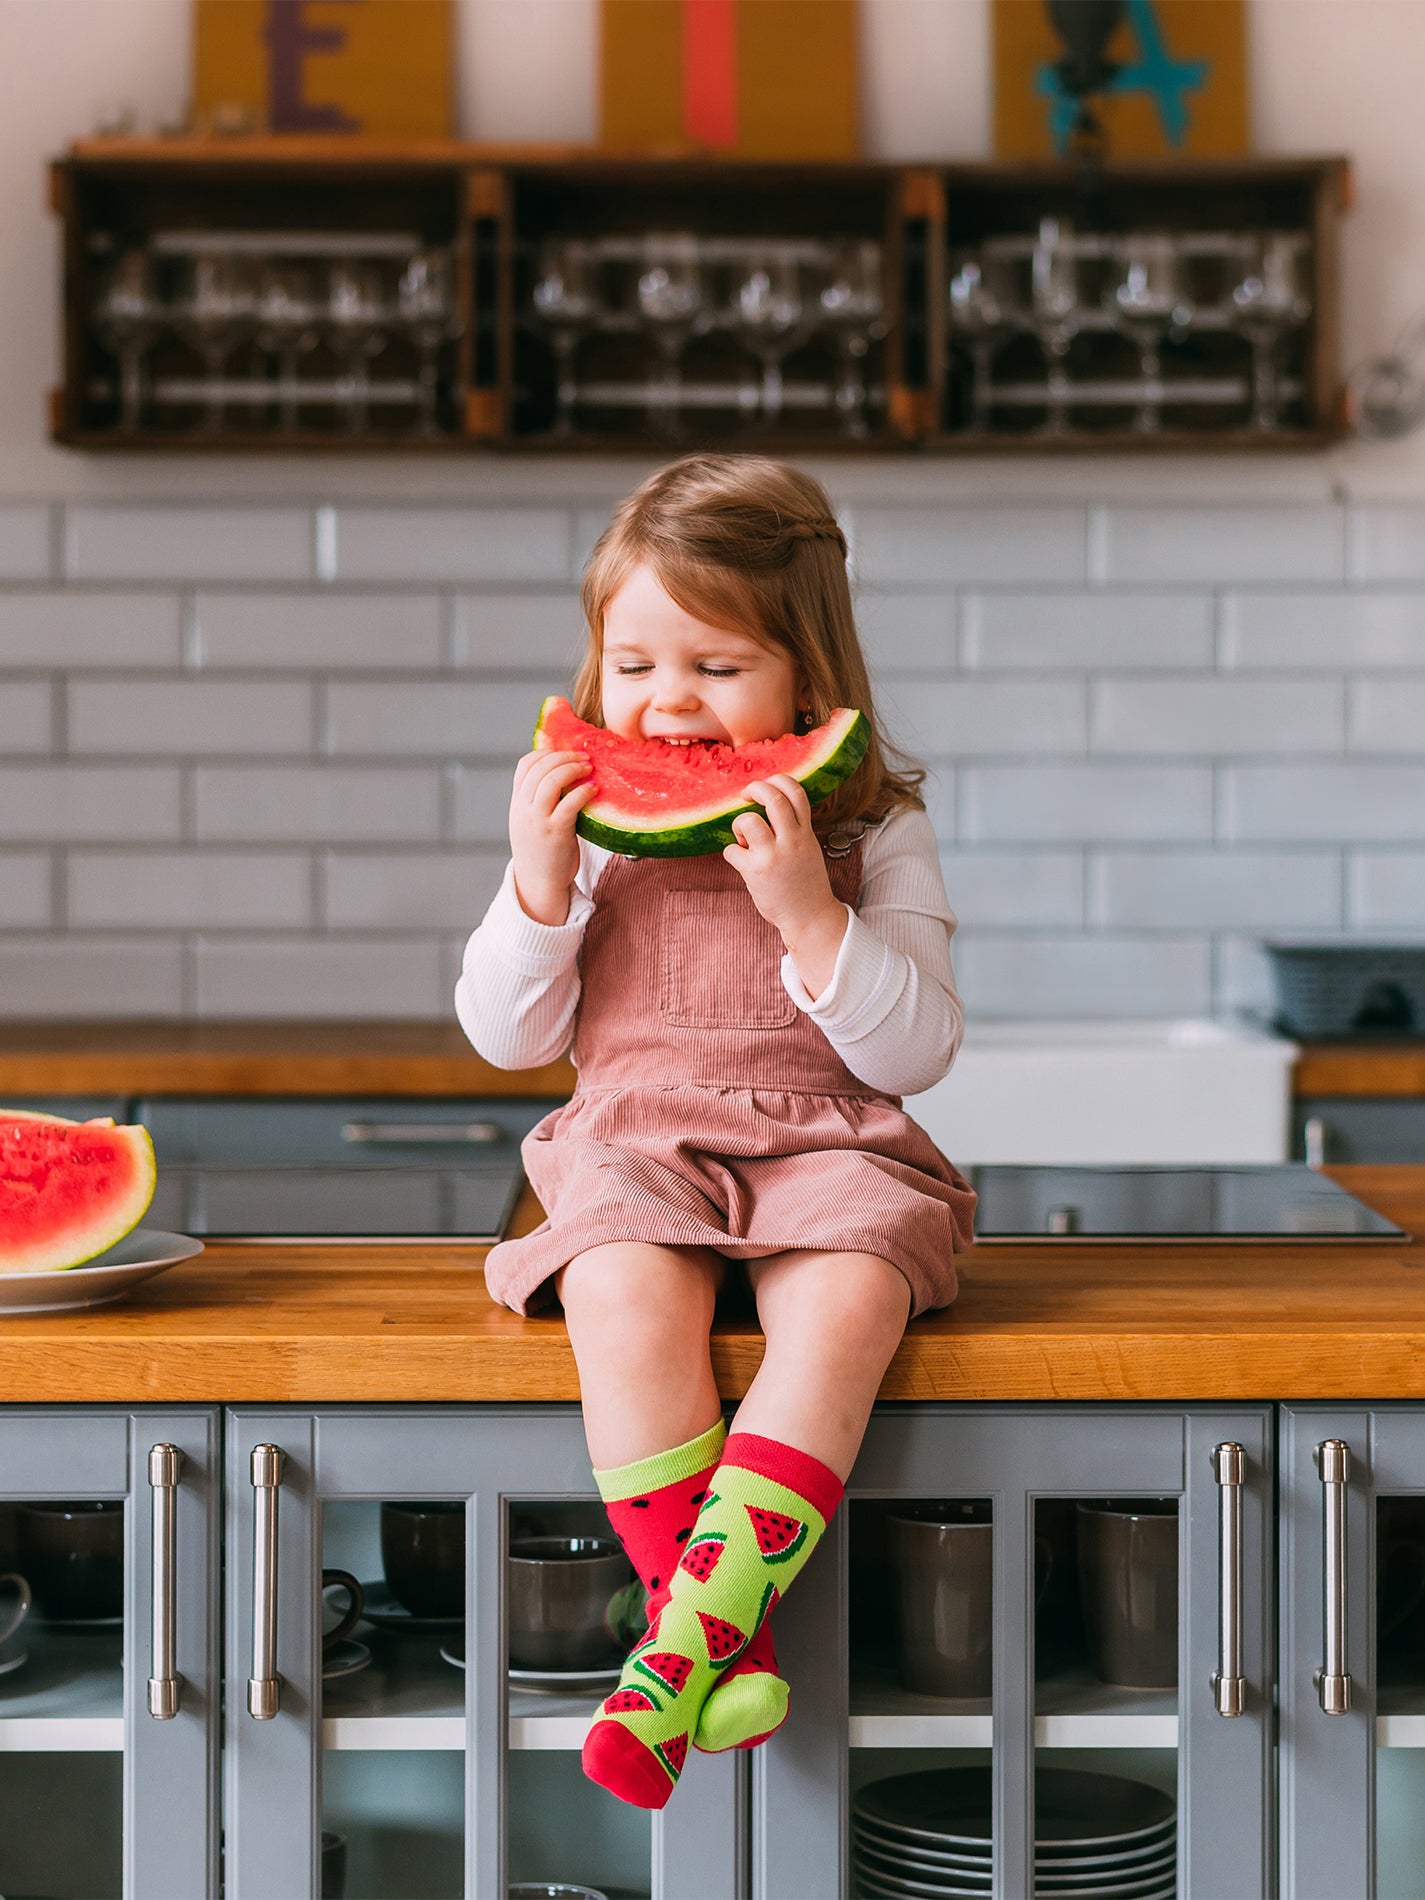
pixel 664 1467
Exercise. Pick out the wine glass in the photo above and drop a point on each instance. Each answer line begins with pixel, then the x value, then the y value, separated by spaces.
pixel 982 315
pixel 670 295
pixel 1055 312
pixel 566 298
pixel 288 316
pixel 1271 296
pixel 217 309
pixel 358 312
pixel 852 306
pixel 1148 299
pixel 126 318
pixel 426 309
pixel 767 304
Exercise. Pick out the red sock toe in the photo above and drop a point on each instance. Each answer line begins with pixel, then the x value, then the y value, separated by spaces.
pixel 618 1761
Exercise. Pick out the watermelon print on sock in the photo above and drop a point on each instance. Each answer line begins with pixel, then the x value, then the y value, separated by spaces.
pixel 778 1538
pixel 673 1753
pixel 630 1702
pixel 725 1640
pixel 667 1668
pixel 700 1558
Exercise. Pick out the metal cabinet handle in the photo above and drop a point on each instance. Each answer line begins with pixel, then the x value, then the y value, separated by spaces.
pixel 1313 1136
pixel 402 1134
pixel 1333 1681
pixel 165 1684
pixel 1229 1685
pixel 264 1683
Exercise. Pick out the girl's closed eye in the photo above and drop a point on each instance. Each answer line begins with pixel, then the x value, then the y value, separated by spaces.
pixel 711 672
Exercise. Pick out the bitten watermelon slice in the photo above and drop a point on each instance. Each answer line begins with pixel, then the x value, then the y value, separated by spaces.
pixel 725 1640
pixel 666 1668
pixel 68 1190
pixel 672 1753
pixel 701 1556
pixel 655 800
pixel 629 1702
pixel 778 1538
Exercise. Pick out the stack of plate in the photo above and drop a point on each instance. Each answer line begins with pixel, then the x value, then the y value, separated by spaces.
pixel 1096 1837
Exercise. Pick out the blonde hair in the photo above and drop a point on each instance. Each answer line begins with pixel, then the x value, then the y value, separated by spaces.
pixel 752 546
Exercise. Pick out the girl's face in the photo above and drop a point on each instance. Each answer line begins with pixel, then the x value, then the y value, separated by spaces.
pixel 667 675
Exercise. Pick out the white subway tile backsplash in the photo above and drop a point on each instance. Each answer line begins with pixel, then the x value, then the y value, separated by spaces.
pixel 1386 715
pixel 1085 803
pixel 181 717
pixel 1003 975
pixel 1324 803
pixel 25 543
pixel 1199 716
pixel 907 633
pixel 434 719
pixel 316 804
pixel 26 716
pixel 91 976
pixel 312 631
pixel 72 628
pixel 189 890
pixel 1388 541
pixel 1386 890
pixel 1242 979
pixel 320 976
pixel 153 542
pixel 898 547
pixel 1215 890
pixel 966 718
pixel 1009 888
pixel 431 544
pixel 26 900
pixel 1055 632
pixel 1210 546
pixel 480 802
pixel 62 804
pixel 938 789
pixel 545 631
pixel 411 890
pixel 1347 633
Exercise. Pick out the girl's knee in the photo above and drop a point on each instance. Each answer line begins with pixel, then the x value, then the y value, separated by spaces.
pixel 632 1285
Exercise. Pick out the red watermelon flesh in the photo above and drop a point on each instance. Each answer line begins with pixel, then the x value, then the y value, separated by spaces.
pixel 778 1538
pixel 629 1702
pixel 68 1190
pixel 656 800
pixel 673 1754
pixel 701 1557
pixel 666 1667
pixel 724 1640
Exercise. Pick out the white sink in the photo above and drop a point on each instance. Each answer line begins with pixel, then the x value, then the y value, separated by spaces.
pixel 1079 1092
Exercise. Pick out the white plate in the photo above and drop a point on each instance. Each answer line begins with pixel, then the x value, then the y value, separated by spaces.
pixel 108 1276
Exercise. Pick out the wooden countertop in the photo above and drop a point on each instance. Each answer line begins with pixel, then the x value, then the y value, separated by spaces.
pixel 321 1324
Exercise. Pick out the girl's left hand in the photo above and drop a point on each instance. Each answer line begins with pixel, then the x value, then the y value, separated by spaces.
pixel 779 858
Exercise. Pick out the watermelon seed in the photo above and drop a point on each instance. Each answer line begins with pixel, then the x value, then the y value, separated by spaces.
pixel 683 1536
pixel 638 1504
pixel 653 1583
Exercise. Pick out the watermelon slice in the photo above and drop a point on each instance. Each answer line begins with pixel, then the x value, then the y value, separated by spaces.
pixel 672 1754
pixel 68 1189
pixel 668 1669
pixel 700 1558
pixel 778 1538
pixel 655 800
pixel 725 1640
pixel 629 1702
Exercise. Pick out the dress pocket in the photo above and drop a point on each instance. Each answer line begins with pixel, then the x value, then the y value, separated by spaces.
pixel 720 964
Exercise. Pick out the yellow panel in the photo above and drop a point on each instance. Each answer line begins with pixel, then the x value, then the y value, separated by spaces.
pixel 797 79
pixel 641 62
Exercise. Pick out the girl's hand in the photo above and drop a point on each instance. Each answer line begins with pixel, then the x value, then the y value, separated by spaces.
pixel 550 790
pixel 779 859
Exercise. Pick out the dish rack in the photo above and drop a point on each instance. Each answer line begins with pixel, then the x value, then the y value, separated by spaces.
pixel 1349 990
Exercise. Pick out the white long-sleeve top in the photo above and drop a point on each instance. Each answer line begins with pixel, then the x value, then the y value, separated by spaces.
pixel 890 1011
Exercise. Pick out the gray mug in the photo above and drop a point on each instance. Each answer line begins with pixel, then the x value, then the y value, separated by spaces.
pixel 13 1615
pixel 942 1566
pixel 1128 1586
pixel 559 1592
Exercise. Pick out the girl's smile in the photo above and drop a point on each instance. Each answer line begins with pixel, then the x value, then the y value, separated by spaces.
pixel 667 675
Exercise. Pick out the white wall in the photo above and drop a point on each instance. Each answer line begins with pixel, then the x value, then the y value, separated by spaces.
pixel 1327 76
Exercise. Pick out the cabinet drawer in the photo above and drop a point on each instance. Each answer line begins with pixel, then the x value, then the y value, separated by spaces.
pixel 1347 1128
pixel 353 1133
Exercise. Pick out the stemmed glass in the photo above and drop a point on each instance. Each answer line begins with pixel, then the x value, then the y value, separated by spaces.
pixel 981 317
pixel 1148 300
pixel 1270 297
pixel 426 309
pixel 767 303
pixel 670 296
pixel 358 311
pixel 287 327
pixel 852 303
pixel 1055 313
pixel 126 318
pixel 217 310
pixel 566 298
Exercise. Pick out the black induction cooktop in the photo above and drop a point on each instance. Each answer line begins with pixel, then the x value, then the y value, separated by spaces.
pixel 1286 1202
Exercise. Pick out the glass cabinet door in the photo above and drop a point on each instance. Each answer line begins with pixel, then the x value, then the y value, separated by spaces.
pixel 404 1721
pixel 109 1677
pixel 1006 1660
pixel 1353 1652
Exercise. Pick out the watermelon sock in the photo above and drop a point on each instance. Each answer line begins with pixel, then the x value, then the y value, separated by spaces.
pixel 653 1505
pixel 755 1531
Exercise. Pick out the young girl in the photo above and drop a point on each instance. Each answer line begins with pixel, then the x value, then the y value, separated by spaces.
pixel 743 1025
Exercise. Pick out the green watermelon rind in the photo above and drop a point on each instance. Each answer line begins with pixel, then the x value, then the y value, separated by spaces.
pixel 697 835
pixel 73 1247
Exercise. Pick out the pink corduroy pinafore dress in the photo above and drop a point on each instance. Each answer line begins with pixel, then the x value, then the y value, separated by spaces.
pixel 710 1111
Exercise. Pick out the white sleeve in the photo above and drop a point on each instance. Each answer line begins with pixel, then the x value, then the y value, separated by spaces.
pixel 891 1010
pixel 519 979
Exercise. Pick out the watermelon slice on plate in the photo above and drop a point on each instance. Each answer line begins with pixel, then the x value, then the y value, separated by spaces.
pixel 68 1190
pixel 655 800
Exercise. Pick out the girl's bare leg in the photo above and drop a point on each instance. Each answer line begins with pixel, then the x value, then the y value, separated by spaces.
pixel 833 1322
pixel 639 1316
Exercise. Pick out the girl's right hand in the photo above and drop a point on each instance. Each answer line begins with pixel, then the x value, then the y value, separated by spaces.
pixel 550 790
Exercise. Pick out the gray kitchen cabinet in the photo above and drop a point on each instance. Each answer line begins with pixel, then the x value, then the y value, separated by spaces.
pixel 852 1722
pixel 108 1741
pixel 1334 1130
pixel 440 1779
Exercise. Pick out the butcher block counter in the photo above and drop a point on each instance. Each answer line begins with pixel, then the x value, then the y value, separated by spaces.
pixel 1035 1321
